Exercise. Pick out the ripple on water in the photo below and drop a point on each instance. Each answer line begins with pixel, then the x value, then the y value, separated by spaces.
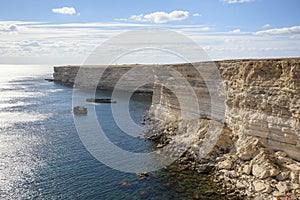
pixel 12 118
pixel 17 162
pixel 5 105
pixel 42 157
pixel 15 94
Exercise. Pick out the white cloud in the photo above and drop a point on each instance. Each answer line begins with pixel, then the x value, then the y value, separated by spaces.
pixel 64 10
pixel 237 1
pixel 266 26
pixel 161 17
pixel 236 31
pixel 281 31
pixel 29 44
pixel 196 15
pixel 71 43
pixel 8 28
pixel 137 18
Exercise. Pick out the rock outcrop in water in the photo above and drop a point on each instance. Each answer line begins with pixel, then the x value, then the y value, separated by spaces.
pixel 260 132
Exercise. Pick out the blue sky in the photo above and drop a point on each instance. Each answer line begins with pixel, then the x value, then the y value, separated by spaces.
pixel 65 31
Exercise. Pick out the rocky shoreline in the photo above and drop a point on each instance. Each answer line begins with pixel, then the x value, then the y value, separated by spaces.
pixel 257 153
pixel 241 165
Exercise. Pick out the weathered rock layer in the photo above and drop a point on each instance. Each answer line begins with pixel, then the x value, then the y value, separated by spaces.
pixel 262 97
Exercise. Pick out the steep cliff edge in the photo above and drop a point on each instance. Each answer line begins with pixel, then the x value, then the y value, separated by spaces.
pixel 258 121
pixel 262 105
pixel 262 96
pixel 89 75
pixel 262 99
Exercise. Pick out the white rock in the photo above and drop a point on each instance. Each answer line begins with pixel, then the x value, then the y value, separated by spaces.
pixel 283 187
pixel 247 169
pixel 259 186
pixel 226 164
pixel 277 194
pixel 273 171
pixel 239 184
pixel 260 172
pixel 247 147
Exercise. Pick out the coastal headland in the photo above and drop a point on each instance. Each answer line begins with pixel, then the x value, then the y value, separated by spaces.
pixel 257 153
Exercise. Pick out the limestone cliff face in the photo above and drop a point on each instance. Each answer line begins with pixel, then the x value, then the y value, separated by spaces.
pixel 101 76
pixel 261 97
pixel 263 100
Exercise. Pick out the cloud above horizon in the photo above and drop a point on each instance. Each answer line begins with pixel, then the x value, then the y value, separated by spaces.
pixel 237 1
pixel 64 10
pixel 8 28
pixel 71 43
pixel 236 31
pixel 161 17
pixel 266 26
pixel 281 31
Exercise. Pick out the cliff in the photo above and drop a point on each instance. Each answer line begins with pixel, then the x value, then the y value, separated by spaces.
pixel 248 111
pixel 262 97
pixel 66 75
pixel 246 150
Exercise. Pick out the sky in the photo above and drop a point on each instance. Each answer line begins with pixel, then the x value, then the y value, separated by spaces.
pixel 66 32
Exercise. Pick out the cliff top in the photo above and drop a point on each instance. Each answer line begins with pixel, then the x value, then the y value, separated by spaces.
pixel 182 64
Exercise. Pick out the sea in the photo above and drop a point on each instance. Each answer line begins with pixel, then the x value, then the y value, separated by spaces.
pixel 42 156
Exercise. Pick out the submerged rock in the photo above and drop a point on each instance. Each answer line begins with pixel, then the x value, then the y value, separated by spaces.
pixel 125 183
pixel 80 110
pixel 141 176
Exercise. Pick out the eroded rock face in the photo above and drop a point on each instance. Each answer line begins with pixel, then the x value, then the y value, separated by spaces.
pixel 103 77
pixel 262 99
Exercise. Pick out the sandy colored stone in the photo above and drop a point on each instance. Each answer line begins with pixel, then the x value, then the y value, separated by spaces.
pixel 226 164
pixel 294 176
pixel 247 169
pixel 260 171
pixel 259 186
pixel 283 187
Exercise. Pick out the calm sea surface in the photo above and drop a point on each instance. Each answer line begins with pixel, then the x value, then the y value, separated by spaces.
pixel 42 157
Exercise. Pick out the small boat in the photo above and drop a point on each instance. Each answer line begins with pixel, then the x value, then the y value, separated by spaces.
pixel 101 100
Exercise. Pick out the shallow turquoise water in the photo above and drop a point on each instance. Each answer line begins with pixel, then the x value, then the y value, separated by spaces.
pixel 42 156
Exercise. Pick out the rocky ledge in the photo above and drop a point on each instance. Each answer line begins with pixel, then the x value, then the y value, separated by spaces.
pixel 242 165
